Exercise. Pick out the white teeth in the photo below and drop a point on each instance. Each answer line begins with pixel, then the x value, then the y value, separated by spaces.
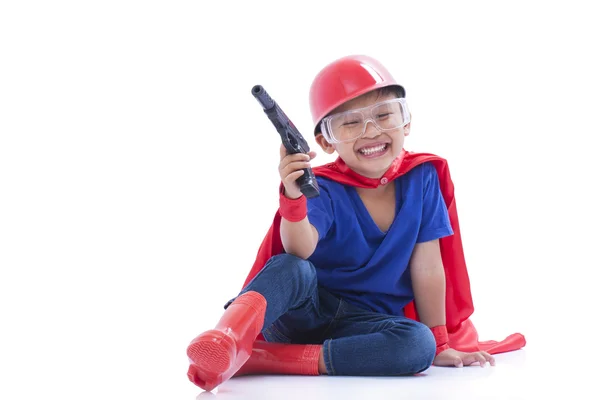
pixel 371 150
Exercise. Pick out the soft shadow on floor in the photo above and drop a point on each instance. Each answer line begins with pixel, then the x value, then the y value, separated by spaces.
pixel 508 378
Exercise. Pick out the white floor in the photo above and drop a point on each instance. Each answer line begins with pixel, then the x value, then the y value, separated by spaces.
pixel 509 379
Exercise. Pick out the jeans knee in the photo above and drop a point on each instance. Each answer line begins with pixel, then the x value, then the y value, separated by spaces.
pixel 299 267
pixel 296 272
pixel 419 349
pixel 426 342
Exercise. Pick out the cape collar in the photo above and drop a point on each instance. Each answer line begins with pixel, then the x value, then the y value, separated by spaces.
pixel 353 178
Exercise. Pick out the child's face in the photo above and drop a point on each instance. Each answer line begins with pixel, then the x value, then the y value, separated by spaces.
pixel 371 154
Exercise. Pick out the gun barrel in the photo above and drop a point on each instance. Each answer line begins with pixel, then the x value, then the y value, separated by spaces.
pixel 263 97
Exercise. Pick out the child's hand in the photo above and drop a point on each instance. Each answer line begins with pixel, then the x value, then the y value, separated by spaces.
pixel 451 357
pixel 290 169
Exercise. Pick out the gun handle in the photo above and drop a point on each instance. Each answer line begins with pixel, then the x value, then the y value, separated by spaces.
pixel 308 183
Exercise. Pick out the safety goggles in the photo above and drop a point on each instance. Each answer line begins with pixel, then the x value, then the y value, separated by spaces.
pixel 350 125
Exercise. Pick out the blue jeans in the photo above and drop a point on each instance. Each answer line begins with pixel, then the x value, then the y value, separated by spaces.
pixel 356 342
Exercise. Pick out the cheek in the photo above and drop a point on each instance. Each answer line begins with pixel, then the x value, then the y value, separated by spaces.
pixel 344 149
pixel 399 137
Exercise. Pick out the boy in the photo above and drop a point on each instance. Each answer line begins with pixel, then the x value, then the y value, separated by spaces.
pixel 332 288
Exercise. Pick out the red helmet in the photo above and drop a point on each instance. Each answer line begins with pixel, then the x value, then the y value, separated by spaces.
pixel 345 79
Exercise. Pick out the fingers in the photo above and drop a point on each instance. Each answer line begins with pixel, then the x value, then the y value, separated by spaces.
pixel 293 167
pixel 459 359
pixel 448 358
pixel 458 362
pixel 489 358
pixel 291 178
pixel 293 162
pixel 283 154
pixel 480 357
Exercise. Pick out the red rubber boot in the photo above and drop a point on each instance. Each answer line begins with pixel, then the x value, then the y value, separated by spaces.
pixel 283 359
pixel 217 354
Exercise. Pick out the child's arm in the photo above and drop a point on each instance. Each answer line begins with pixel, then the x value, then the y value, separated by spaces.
pixel 429 279
pixel 429 283
pixel 298 236
pixel 426 267
pixel 429 286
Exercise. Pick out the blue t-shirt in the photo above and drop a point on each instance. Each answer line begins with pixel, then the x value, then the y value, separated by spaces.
pixel 355 260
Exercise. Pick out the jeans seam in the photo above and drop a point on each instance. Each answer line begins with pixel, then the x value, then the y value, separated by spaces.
pixel 311 296
pixel 334 319
pixel 329 364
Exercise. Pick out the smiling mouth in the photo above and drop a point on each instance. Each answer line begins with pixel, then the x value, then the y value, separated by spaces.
pixel 371 151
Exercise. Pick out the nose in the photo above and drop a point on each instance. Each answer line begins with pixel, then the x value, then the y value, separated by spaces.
pixel 370 130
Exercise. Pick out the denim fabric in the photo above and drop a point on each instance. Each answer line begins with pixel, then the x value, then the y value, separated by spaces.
pixel 356 342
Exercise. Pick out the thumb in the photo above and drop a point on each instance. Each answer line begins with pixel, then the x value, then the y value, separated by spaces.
pixel 282 152
pixel 458 362
pixel 312 154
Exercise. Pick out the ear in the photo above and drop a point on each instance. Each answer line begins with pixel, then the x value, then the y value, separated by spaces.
pixel 407 127
pixel 325 145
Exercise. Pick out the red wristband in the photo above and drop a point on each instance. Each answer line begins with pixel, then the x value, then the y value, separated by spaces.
pixel 293 210
pixel 440 333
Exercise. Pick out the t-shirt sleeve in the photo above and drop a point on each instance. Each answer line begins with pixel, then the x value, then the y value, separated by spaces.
pixel 435 222
pixel 320 211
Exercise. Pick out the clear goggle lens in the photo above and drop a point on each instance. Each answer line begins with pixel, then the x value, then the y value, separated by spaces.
pixel 350 125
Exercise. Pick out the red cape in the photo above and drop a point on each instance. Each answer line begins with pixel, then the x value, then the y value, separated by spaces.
pixel 459 304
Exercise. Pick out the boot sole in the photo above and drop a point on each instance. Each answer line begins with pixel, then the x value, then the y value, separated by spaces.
pixel 213 353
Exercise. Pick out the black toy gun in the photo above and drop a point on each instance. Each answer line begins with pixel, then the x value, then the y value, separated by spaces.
pixel 290 137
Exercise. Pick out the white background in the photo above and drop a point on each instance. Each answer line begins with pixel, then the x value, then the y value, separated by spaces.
pixel 138 175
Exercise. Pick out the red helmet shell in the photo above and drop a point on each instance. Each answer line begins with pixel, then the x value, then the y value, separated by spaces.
pixel 346 79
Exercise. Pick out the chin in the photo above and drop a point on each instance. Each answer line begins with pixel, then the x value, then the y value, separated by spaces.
pixel 376 167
